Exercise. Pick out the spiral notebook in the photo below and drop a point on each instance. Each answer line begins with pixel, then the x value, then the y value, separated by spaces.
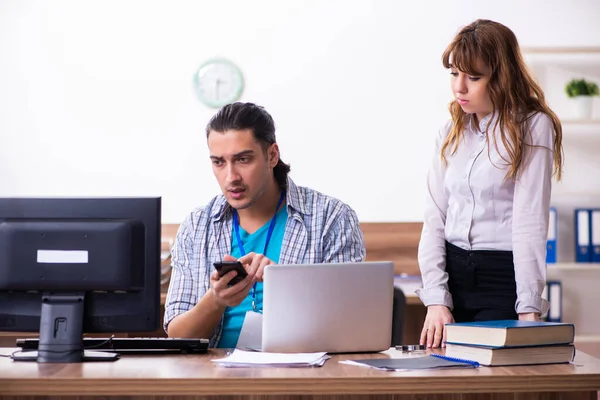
pixel 432 361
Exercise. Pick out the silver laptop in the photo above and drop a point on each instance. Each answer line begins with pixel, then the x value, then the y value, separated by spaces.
pixel 337 308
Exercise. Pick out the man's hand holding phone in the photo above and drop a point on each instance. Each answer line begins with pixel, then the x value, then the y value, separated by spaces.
pixel 229 283
pixel 224 267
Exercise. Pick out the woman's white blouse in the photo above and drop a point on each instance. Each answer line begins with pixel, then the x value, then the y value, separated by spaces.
pixel 472 205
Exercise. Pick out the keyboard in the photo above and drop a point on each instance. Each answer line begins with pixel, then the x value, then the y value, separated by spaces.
pixel 135 345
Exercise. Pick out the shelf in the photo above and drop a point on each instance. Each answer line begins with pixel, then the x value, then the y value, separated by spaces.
pixel 587 338
pixel 581 194
pixel 591 122
pixel 567 62
pixel 560 50
pixel 580 127
pixel 573 266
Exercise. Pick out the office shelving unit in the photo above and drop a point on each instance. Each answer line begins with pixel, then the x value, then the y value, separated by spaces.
pixel 574 266
pixel 553 67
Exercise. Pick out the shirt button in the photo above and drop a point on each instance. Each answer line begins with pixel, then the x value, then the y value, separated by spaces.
pixel 473 155
pixel 465 176
pixel 468 201
pixel 466 225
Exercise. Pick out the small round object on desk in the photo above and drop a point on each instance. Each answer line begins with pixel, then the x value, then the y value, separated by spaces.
pixel 411 347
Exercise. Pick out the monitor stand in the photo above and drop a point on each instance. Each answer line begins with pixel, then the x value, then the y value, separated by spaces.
pixel 32 355
pixel 61 329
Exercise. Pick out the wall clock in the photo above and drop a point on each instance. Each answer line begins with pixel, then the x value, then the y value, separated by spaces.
pixel 218 82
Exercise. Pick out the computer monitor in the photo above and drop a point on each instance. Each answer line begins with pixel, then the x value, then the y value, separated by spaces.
pixel 70 266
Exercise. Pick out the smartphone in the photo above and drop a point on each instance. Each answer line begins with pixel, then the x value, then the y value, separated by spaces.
pixel 224 267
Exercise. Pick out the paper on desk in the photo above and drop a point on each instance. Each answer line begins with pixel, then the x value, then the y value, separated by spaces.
pixel 241 358
pixel 251 333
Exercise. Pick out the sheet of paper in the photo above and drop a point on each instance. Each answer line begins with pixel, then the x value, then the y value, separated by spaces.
pixel 251 333
pixel 251 358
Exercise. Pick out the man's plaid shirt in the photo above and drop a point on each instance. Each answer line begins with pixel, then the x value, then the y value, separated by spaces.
pixel 319 229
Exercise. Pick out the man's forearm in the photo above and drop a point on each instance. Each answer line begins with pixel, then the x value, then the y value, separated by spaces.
pixel 200 321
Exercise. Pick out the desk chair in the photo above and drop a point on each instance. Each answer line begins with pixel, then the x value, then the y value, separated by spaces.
pixel 399 310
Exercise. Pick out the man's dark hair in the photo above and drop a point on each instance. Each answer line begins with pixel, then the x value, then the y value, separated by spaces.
pixel 241 116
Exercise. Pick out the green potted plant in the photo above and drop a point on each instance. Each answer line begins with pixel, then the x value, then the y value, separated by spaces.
pixel 581 92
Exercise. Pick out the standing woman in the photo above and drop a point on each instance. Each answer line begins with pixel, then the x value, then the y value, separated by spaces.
pixel 482 252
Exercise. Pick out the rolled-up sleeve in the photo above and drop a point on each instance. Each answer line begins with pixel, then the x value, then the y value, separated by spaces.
pixel 344 242
pixel 531 210
pixel 432 246
pixel 183 288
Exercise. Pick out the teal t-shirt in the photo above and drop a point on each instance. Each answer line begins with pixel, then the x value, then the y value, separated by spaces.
pixel 234 316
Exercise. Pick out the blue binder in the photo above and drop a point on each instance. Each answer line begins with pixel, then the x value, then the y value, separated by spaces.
pixel 551 242
pixel 595 236
pixel 554 292
pixel 583 248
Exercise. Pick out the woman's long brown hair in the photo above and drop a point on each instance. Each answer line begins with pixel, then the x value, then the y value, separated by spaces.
pixel 514 93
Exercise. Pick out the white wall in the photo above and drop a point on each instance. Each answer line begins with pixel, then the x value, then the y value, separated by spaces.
pixel 96 96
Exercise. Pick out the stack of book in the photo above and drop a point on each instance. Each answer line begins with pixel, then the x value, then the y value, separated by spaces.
pixel 511 342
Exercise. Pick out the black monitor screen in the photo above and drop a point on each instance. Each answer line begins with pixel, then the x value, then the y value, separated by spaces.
pixel 78 265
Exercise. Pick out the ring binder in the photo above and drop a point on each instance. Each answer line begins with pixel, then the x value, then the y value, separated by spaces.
pixel 459 360
pixel 551 241
pixel 554 289
pixel 583 233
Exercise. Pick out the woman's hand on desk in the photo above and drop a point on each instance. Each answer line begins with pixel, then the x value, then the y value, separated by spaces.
pixel 434 330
